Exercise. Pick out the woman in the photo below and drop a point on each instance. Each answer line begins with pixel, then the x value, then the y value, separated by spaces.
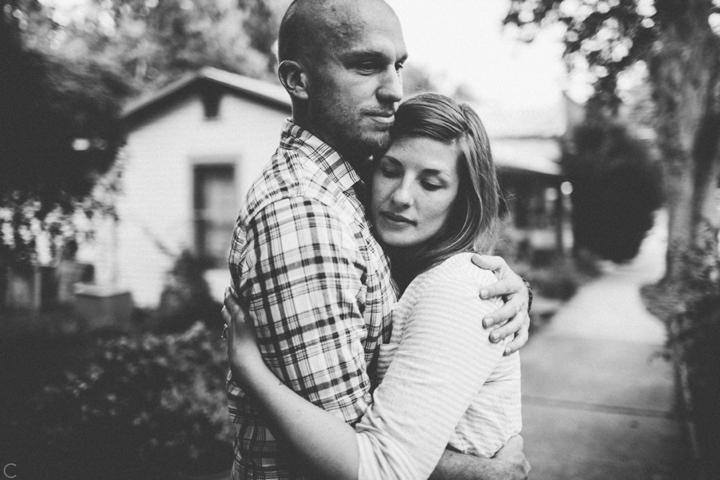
pixel 434 201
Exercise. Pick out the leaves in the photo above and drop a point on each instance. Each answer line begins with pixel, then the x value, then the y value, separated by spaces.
pixel 69 72
pixel 608 35
pixel 127 406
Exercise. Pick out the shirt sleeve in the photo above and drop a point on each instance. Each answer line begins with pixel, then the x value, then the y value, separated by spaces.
pixel 302 278
pixel 443 358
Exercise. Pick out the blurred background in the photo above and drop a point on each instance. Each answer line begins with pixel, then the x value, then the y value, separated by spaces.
pixel 130 131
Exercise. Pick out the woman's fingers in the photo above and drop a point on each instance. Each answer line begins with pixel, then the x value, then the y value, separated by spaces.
pixel 232 305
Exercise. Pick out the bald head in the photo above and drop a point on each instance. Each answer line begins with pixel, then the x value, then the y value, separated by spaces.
pixel 310 26
pixel 340 61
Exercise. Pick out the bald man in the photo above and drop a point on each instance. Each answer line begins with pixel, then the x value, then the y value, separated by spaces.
pixel 304 263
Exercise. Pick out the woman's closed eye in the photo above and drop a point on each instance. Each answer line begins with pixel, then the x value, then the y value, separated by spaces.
pixel 389 171
pixel 432 185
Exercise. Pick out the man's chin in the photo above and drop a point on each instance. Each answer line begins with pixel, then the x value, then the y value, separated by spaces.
pixel 377 141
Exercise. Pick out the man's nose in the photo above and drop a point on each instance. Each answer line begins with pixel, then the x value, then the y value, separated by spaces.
pixel 391 89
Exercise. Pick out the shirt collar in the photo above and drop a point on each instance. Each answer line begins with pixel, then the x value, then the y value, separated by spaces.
pixel 294 137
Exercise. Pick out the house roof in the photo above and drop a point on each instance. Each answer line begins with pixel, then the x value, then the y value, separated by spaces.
pixel 272 95
pixel 518 144
pixel 530 155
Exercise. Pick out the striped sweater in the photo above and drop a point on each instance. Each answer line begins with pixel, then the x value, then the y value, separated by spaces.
pixel 444 382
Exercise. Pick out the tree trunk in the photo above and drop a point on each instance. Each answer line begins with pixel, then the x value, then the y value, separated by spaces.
pixel 685 72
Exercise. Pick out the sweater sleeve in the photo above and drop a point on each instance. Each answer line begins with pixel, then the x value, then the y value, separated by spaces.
pixel 443 358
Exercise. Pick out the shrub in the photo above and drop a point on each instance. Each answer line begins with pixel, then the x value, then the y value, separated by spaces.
pixel 143 406
pixel 616 189
pixel 559 280
pixel 186 298
pixel 691 310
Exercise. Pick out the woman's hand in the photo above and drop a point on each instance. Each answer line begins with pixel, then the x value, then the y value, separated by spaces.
pixel 243 352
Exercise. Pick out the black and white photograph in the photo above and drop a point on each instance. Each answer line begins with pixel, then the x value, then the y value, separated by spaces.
pixel 360 239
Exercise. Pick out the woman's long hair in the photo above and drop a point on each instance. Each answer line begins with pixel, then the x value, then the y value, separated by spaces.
pixel 472 224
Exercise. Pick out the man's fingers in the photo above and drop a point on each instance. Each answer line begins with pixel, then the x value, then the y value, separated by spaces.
pixel 519 341
pixel 513 306
pixel 497 289
pixel 489 262
pixel 510 328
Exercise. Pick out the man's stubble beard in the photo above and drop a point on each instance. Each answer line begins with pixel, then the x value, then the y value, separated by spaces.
pixel 347 137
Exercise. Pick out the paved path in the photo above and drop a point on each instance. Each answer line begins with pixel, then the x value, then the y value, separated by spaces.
pixel 598 400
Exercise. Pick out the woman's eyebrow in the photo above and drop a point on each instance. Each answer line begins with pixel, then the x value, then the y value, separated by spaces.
pixel 391 159
pixel 436 172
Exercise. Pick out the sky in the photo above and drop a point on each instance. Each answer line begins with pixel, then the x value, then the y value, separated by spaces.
pixel 462 41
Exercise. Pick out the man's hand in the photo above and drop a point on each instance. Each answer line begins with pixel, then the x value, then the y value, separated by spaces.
pixel 509 463
pixel 512 318
pixel 514 459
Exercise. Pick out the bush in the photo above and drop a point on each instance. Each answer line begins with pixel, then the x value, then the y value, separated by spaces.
pixel 691 310
pixel 142 406
pixel 561 279
pixel 616 189
pixel 186 298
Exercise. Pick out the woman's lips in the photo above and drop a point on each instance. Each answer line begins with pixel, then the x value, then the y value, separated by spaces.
pixel 395 218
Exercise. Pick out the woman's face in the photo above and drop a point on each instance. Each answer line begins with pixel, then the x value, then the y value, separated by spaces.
pixel 413 189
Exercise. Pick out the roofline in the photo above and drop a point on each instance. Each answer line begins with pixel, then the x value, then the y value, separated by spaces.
pixel 265 92
pixel 555 173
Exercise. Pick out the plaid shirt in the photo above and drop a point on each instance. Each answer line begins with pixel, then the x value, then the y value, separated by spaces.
pixel 318 288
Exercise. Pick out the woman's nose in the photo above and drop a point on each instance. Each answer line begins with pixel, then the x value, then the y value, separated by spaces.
pixel 402 196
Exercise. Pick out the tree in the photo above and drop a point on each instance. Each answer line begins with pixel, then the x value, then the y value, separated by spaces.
pixel 60 129
pixel 677 42
pixel 70 71
pixel 151 43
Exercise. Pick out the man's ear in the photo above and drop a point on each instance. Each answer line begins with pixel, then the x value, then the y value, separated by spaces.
pixel 293 77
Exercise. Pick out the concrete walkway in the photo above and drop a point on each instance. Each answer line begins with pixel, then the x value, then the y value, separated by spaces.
pixel 598 400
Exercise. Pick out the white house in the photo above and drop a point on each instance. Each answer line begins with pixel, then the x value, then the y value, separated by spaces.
pixel 194 148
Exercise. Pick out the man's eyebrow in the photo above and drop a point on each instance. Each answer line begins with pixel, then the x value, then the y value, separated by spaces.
pixel 358 55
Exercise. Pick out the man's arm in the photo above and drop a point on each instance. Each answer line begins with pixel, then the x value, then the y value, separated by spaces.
pixel 301 281
pixel 508 464
pixel 513 318
pixel 406 431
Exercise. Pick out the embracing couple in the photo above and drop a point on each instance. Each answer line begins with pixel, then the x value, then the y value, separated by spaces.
pixel 363 339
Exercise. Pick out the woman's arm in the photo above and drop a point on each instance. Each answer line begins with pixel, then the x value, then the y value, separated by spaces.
pixel 404 428
pixel 442 360
pixel 325 443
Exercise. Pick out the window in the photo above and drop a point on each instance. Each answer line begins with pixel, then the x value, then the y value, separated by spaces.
pixel 211 102
pixel 215 210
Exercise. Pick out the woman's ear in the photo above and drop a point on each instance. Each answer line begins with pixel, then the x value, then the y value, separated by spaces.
pixel 293 77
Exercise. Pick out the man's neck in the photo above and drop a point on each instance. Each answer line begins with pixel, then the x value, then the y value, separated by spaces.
pixel 361 164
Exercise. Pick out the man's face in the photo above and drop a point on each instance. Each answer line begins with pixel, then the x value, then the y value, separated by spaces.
pixel 356 84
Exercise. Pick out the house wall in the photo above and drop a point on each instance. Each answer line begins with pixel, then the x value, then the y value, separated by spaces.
pixel 156 206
